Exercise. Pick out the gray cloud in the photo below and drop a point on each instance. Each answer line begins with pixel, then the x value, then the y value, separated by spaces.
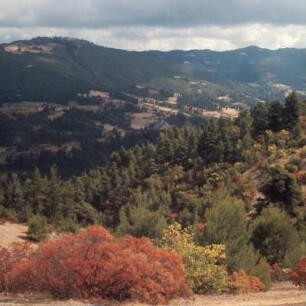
pixel 159 24
pixel 145 38
pixel 166 13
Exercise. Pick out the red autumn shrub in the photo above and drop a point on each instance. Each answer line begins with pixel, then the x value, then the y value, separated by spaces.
pixel 201 226
pixel 92 263
pixel 298 274
pixel 240 282
pixel 174 216
pixel 11 257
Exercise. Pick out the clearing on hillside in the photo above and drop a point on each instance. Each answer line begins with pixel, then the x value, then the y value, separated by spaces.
pixel 12 232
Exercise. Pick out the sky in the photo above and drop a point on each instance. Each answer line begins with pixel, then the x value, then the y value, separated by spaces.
pixel 159 24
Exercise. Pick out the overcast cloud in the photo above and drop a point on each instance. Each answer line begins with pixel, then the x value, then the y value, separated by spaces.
pixel 159 24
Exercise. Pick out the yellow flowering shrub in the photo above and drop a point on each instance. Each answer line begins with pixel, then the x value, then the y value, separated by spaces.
pixel 203 271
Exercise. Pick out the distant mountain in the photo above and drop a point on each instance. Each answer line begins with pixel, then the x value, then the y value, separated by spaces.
pixel 250 64
pixel 57 69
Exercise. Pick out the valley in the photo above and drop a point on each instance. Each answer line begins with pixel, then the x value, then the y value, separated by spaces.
pixel 62 98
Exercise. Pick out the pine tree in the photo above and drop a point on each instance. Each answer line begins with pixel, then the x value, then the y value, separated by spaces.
pixel 244 122
pixel 210 146
pixel 139 221
pixel 274 234
pixel 67 209
pixel 14 195
pixel 34 192
pixel 1 196
pixel 114 175
pixel 53 206
pixel 37 228
pixel 152 167
pixel 276 116
pixel 79 190
pixel 2 202
pixel 282 189
pixel 226 224
pixel 292 110
pixel 227 139
pixel 260 116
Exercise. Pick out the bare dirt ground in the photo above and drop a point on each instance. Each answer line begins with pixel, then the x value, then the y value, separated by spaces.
pixel 230 112
pixel 142 120
pixel 281 294
pixel 24 108
pixel 173 100
pixel 12 232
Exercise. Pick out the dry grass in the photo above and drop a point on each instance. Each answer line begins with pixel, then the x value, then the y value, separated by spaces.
pixel 12 232
pixel 108 128
pixel 25 108
pixel 99 94
pixel 230 112
pixel 142 120
pixel 173 99
pixel 211 114
pixel 281 294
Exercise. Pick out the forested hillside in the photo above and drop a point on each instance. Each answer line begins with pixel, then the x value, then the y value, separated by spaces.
pixel 70 102
pixel 239 184
pixel 58 69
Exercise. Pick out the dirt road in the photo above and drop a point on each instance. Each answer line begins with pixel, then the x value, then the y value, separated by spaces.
pixel 281 294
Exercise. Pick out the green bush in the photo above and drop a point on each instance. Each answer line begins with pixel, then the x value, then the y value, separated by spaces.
pixel 282 189
pixel 294 254
pixel 263 271
pixel 69 225
pixel 226 224
pixel 139 221
pixel 274 234
pixel 7 213
pixel 37 228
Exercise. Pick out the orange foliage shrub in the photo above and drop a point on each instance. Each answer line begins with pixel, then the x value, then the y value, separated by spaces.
pixel 92 263
pixel 250 193
pixel 240 282
pixel 300 176
pixel 18 252
pixel 298 274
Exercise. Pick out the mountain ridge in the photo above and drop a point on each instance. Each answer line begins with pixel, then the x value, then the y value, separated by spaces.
pixel 74 39
pixel 59 68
